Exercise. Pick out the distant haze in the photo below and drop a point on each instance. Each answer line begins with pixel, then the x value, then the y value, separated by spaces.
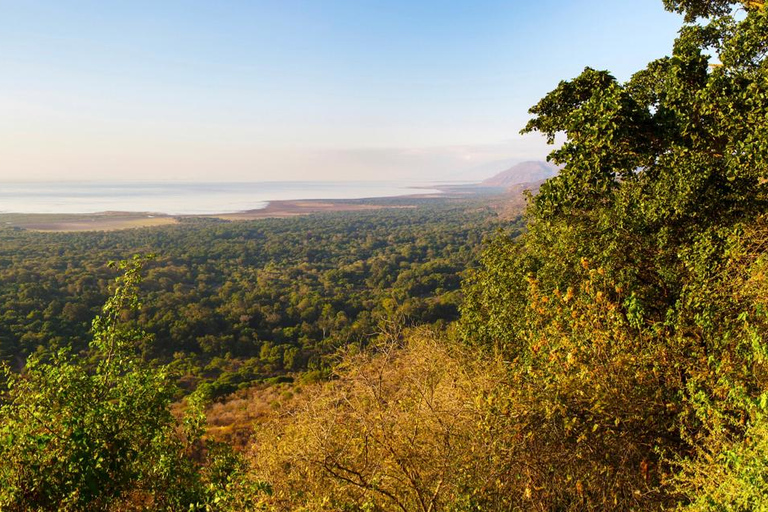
pixel 285 90
pixel 179 198
pixel 525 172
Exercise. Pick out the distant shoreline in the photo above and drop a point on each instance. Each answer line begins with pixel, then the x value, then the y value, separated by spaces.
pixel 282 208
pixel 293 208
pixel 114 221
pixel 73 222
pixel 183 199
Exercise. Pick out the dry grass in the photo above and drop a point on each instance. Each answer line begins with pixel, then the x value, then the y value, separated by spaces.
pixel 59 223
pixel 283 209
pixel 234 419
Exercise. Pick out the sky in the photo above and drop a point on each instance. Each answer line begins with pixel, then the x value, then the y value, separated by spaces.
pixel 260 90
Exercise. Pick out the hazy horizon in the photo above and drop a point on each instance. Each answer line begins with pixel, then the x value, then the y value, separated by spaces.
pixel 186 198
pixel 265 91
pixel 473 174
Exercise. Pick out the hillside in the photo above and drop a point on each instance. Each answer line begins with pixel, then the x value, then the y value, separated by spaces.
pixel 513 202
pixel 525 172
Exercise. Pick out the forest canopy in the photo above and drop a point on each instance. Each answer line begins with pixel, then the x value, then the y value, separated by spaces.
pixel 233 303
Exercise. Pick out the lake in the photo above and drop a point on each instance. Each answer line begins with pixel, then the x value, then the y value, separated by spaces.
pixel 178 198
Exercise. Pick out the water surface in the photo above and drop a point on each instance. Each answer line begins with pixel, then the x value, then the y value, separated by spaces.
pixel 177 198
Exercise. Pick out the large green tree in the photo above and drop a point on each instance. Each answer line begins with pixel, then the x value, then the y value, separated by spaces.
pixel 655 168
pixel 620 308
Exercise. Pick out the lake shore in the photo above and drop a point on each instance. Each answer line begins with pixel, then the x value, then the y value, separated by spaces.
pixel 284 208
pixel 71 223
pixel 113 221
pixel 293 208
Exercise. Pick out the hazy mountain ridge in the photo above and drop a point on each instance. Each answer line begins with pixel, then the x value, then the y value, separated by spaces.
pixel 524 172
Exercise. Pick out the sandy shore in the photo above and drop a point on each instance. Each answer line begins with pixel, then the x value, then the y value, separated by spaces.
pixel 282 209
pixel 69 223
pixel 112 221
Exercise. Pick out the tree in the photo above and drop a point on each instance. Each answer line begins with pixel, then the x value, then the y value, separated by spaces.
pixel 97 433
pixel 636 245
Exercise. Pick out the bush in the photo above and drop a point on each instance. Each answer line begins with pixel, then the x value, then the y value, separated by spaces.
pixel 76 436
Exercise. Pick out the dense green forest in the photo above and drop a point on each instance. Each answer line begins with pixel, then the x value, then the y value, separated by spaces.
pixel 237 302
pixel 613 355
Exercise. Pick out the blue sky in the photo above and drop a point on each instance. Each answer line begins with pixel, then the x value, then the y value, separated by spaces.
pixel 287 89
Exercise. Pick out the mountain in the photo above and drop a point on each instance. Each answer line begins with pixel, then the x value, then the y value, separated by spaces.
pixel 525 172
pixel 482 171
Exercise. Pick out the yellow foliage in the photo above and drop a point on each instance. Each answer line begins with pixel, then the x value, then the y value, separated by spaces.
pixel 413 427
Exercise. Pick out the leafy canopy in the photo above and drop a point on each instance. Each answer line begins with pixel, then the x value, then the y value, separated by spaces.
pixel 623 310
pixel 97 434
